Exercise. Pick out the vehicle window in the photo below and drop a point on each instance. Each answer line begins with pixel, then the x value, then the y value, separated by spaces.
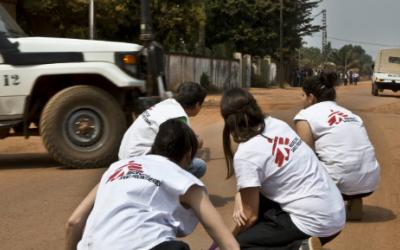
pixel 8 26
pixel 393 59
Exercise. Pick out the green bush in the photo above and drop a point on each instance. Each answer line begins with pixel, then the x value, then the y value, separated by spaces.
pixel 206 83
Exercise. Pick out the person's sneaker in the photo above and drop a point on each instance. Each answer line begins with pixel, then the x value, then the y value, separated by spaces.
pixel 354 209
pixel 312 243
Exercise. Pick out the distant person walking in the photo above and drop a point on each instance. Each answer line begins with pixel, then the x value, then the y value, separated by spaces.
pixel 345 78
pixel 351 77
pixel 340 141
pixel 356 77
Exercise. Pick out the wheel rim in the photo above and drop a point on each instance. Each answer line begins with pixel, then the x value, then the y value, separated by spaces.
pixel 84 128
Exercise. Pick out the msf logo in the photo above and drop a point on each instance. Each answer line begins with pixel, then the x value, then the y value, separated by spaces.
pixel 122 171
pixel 280 149
pixel 336 117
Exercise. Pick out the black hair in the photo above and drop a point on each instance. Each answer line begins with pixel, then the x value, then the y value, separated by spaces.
pixel 243 120
pixel 174 140
pixel 190 93
pixel 321 86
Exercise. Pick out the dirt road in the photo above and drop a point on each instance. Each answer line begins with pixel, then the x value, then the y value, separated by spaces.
pixel 37 194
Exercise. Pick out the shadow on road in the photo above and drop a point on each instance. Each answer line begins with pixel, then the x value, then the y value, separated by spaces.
pixel 372 214
pixel 204 153
pixel 219 201
pixel 389 95
pixel 31 160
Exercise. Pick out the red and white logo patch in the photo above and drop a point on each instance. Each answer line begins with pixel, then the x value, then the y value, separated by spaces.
pixel 280 149
pixel 123 170
pixel 336 117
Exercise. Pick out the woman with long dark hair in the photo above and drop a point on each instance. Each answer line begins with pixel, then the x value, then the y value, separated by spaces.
pixel 285 200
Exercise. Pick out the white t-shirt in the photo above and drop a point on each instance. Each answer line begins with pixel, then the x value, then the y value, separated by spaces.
pixel 137 205
pixel 139 137
pixel 343 147
pixel 288 172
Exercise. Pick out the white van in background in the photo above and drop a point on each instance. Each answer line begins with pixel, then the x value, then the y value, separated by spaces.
pixel 386 71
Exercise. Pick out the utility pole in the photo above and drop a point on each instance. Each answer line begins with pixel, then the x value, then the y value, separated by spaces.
pixel 91 20
pixel 324 37
pixel 146 25
pixel 281 78
pixel 154 52
pixel 147 37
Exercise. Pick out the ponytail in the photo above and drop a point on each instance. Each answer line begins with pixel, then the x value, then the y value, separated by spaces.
pixel 243 120
pixel 322 86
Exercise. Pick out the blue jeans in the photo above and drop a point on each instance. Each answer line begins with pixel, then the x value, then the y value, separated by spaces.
pixel 198 167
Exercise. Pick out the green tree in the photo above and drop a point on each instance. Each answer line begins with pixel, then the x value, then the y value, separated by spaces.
pixel 193 26
pixel 115 19
pixel 252 26
pixel 351 57
pixel 180 24
pixel 310 57
pixel 176 23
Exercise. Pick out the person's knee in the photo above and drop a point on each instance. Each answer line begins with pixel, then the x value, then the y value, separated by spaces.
pixel 198 167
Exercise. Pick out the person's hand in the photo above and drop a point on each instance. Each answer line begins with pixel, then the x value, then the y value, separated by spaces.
pixel 238 214
pixel 199 141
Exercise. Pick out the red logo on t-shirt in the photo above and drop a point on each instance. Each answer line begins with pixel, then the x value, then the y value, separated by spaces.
pixel 123 170
pixel 280 149
pixel 336 117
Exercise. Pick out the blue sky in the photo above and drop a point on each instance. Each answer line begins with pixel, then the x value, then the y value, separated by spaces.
pixel 372 24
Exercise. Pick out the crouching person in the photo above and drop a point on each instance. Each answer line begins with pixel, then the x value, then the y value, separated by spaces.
pixel 146 202
pixel 285 200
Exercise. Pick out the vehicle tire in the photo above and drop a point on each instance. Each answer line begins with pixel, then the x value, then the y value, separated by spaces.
pixel 374 89
pixel 4 132
pixel 82 127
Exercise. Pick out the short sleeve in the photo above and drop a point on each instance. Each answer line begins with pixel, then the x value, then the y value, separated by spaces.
pixel 183 180
pixel 186 217
pixel 301 116
pixel 247 174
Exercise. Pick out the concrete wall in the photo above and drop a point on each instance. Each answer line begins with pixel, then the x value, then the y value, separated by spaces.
pixel 222 73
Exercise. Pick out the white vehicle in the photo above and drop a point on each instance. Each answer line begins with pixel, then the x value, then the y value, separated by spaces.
pixel 78 95
pixel 386 71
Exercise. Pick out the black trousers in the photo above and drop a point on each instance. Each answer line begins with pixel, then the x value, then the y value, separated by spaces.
pixel 274 230
pixel 172 245
pixel 355 196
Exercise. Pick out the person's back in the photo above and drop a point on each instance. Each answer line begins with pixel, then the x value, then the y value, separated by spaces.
pixel 307 193
pixel 343 147
pixel 146 202
pixel 135 199
pixel 340 141
pixel 285 199
pixel 139 137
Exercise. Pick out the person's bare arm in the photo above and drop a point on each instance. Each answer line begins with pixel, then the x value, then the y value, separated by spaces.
pixel 245 212
pixel 303 129
pixel 76 222
pixel 198 200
